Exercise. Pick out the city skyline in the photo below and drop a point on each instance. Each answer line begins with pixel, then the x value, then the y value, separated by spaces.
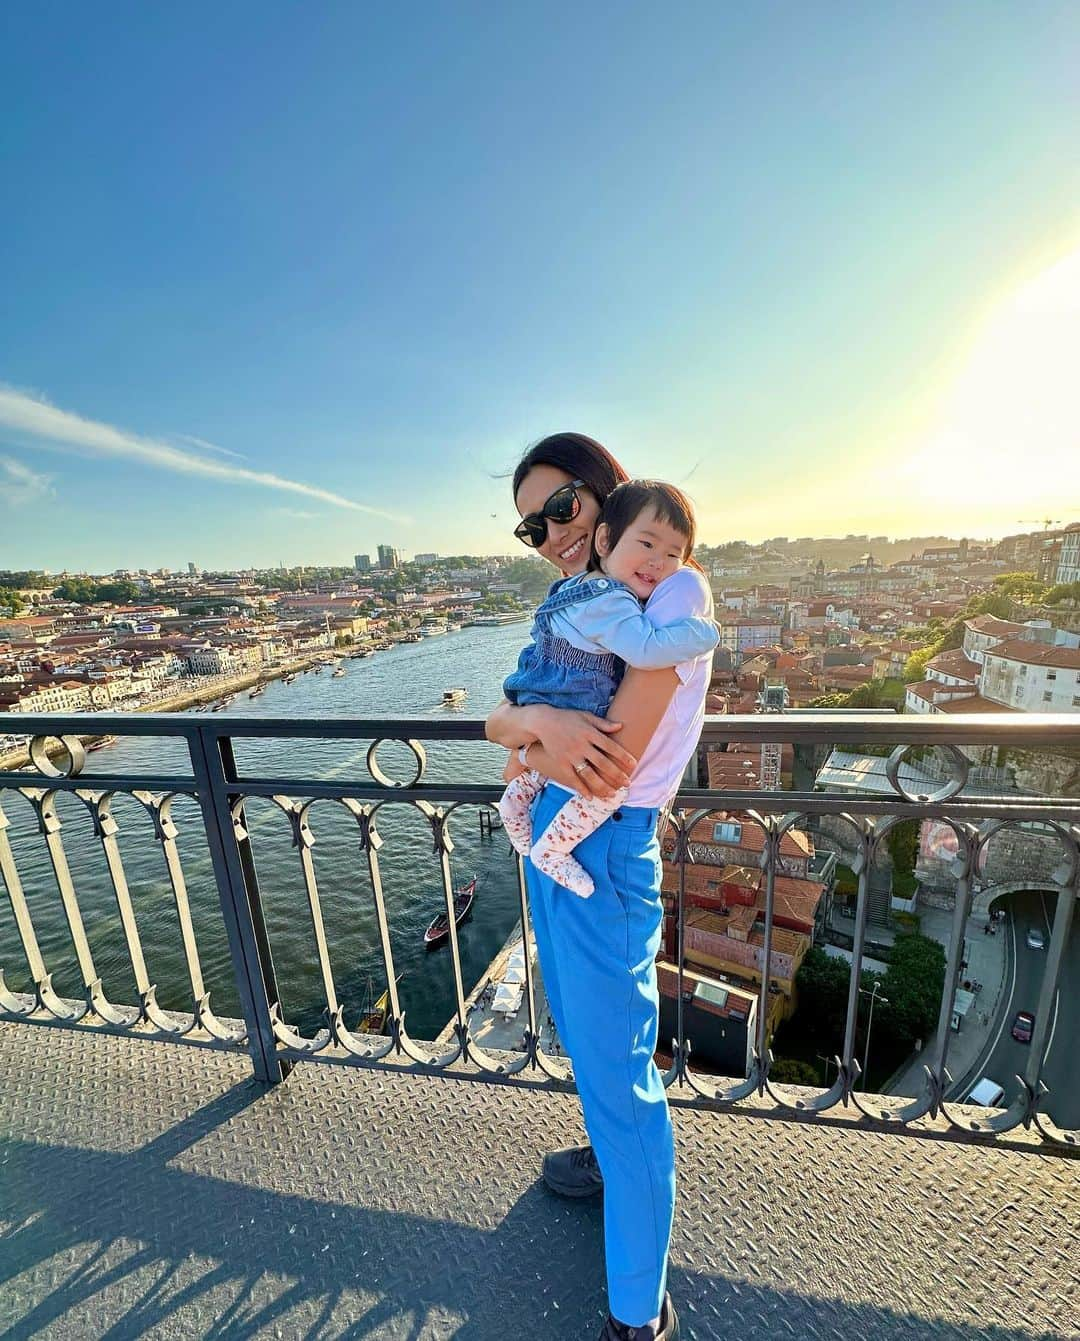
pixel 327 304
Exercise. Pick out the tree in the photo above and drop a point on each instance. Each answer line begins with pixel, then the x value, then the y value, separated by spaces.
pixel 792 1071
pixel 914 982
pixel 1067 593
pixel 903 844
pixel 915 667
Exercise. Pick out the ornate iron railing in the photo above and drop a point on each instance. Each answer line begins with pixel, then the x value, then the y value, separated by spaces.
pixel 275 1044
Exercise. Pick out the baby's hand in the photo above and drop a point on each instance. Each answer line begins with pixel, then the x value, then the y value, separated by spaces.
pixel 514 767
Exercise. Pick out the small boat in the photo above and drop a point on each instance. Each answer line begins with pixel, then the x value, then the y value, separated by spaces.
pixel 373 1013
pixel 439 927
pixel 452 697
pixel 223 704
pixel 258 691
pixel 288 679
pixel 102 743
pixel 338 674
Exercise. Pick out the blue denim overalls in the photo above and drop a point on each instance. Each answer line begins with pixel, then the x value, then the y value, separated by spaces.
pixel 551 670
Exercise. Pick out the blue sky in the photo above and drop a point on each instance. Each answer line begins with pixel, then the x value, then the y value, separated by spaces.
pixel 289 281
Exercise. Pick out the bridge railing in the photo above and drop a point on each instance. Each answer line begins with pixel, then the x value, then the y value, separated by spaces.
pixel 224 793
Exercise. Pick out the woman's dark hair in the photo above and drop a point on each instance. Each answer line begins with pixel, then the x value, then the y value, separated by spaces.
pixel 629 500
pixel 581 457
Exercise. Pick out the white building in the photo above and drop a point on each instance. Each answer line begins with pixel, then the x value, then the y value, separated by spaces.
pixel 1032 677
pixel 1068 567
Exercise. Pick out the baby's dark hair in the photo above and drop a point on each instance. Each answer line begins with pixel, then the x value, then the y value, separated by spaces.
pixel 628 501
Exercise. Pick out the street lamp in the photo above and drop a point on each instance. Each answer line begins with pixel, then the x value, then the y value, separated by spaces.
pixel 873 995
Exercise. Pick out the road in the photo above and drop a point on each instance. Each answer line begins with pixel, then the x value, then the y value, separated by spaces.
pixel 1004 1058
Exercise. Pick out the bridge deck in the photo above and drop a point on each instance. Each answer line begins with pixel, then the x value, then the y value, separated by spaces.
pixel 152 1189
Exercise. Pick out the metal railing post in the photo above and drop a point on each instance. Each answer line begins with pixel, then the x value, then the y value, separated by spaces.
pixel 241 907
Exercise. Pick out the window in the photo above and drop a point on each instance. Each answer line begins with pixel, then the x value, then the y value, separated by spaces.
pixel 1023 670
pixel 1076 700
pixel 1051 675
pixel 727 831
pixel 1048 696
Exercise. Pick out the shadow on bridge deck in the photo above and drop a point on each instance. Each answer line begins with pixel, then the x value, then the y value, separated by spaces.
pixel 152 1189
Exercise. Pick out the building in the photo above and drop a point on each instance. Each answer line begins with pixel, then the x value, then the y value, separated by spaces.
pixel 1032 677
pixel 1068 565
pixel 724 893
pixel 389 558
pixel 362 563
pixel 719 1019
pixel 426 559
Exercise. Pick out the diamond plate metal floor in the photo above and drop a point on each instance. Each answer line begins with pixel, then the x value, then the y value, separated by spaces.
pixel 148 1189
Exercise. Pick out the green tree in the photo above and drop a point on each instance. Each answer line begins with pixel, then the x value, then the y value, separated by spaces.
pixel 1067 593
pixel 792 1071
pixel 903 844
pixel 914 982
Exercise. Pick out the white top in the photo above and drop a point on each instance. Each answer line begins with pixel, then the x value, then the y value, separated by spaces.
pixel 674 741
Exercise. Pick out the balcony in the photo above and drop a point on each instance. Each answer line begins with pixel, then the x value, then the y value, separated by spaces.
pixel 388 1186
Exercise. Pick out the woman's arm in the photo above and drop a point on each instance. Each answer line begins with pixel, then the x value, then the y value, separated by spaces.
pixel 566 734
pixel 639 705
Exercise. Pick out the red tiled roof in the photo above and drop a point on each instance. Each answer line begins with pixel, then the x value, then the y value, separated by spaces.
pixel 973 703
pixel 992 626
pixel 955 662
pixel 1037 654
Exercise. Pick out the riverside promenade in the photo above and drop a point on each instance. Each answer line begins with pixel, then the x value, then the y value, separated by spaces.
pixel 154 1190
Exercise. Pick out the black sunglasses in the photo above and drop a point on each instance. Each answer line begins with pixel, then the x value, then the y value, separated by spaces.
pixel 562 506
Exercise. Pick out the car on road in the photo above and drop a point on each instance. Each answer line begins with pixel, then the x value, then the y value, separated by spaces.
pixel 1023 1026
pixel 1035 939
pixel 986 1093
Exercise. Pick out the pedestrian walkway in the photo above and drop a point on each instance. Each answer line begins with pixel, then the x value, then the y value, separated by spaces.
pixel 492 1030
pixel 155 1190
pixel 987 963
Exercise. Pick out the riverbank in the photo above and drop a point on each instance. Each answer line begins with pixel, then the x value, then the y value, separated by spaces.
pixel 199 690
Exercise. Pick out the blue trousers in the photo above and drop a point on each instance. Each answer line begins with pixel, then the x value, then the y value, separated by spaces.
pixel 597 959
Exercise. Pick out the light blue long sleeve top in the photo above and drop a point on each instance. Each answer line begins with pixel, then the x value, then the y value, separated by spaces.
pixel 614 621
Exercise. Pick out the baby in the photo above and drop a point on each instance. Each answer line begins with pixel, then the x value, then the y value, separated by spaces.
pixel 589 627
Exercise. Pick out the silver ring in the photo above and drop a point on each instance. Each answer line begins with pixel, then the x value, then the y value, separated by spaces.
pixel 580 768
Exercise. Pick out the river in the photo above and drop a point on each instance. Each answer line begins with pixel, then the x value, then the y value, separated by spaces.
pixel 406 681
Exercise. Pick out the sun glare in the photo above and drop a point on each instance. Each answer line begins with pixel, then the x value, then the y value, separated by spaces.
pixel 1006 440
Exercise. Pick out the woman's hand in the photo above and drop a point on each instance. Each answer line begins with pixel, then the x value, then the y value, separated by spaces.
pixel 571 738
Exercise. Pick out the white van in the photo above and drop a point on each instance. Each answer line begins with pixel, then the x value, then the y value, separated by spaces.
pixel 986 1093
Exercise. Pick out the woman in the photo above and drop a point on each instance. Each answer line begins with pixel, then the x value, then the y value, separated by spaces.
pixel 597 958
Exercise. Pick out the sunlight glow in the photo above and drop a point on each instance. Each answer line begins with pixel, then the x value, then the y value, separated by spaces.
pixel 1006 442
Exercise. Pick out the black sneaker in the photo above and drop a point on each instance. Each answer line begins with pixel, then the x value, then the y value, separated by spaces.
pixel 669 1327
pixel 573 1172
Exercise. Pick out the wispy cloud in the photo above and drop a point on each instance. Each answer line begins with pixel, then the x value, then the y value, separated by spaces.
pixel 32 417
pixel 19 484
pixel 295 514
pixel 207 446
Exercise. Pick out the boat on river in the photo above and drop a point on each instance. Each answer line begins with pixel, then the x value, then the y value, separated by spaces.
pixel 373 1013
pixel 102 742
pixel 338 674
pixel 452 698
pixel 439 928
